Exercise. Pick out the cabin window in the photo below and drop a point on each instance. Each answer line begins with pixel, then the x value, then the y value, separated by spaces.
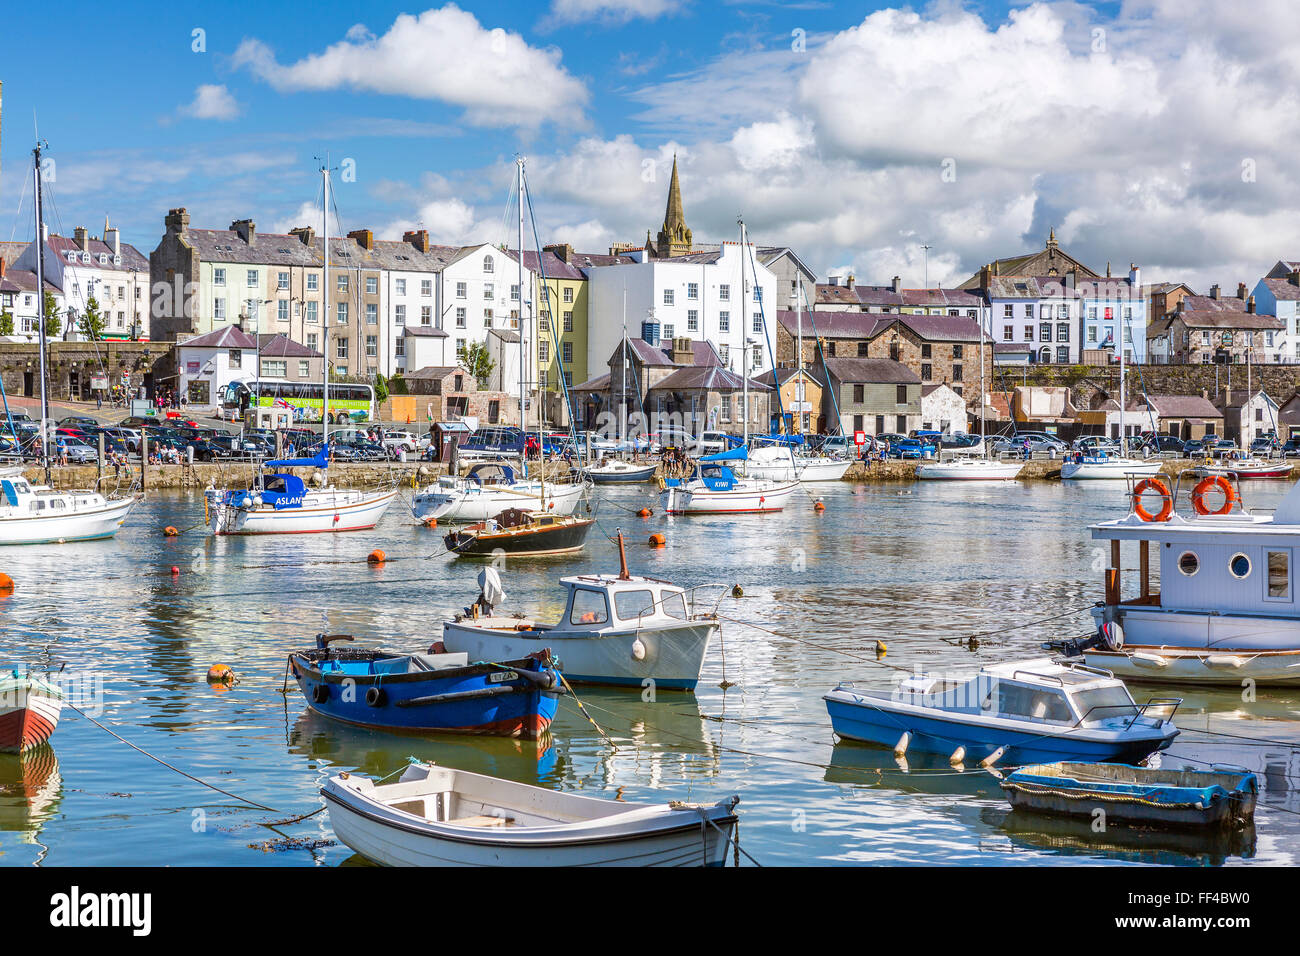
pixel 1102 703
pixel 589 607
pixel 632 604
pixel 674 604
pixel 1033 703
pixel 1239 565
pixel 1279 574
pixel 1188 563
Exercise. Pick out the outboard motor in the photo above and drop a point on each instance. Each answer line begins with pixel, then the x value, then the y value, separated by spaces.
pixel 1109 637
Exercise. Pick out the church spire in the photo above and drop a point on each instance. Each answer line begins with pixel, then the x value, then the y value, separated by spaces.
pixel 674 236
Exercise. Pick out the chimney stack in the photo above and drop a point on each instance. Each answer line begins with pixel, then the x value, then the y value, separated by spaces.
pixel 683 353
pixel 1241 290
pixel 2 267
pixel 896 284
pixel 246 229
pixel 177 221
pixel 1250 305
pixel 82 238
pixel 1134 276
pixel 365 238
pixel 114 240
pixel 419 239
pixel 850 280
pixel 562 251
pixel 1214 291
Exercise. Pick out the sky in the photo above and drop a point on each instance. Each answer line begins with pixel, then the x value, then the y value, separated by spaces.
pixel 1158 132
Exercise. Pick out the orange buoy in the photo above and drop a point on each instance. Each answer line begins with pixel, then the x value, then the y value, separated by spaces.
pixel 376 557
pixel 644 513
pixel 657 541
pixel 819 506
pixel 6 583
pixel 170 531
pixel 431 522
pixel 221 674
pixel 175 571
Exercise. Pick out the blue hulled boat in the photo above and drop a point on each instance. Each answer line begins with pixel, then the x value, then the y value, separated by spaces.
pixel 428 693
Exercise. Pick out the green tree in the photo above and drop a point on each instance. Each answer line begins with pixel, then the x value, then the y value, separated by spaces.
pixel 53 323
pixel 6 323
pixel 91 324
pixel 381 387
pixel 478 360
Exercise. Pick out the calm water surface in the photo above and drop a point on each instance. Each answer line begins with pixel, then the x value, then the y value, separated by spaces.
pixel 921 567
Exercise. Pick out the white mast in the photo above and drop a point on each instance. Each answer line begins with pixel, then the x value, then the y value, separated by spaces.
pixel 1123 438
pixel 744 336
pixel 40 311
pixel 325 339
pixel 519 173
pixel 622 414
pixel 983 425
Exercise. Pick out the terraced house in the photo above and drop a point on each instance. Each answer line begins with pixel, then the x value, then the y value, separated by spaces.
pixel 1218 329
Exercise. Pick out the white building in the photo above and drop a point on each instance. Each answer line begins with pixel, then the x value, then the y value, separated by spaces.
pixel 207 363
pixel 697 296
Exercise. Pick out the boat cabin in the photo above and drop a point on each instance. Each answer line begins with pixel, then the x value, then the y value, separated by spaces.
pixel 283 490
pixel 1223 560
pixel 608 601
pixel 19 496
pixel 714 476
pixel 1065 693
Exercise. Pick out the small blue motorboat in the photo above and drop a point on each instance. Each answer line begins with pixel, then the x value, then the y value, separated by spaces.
pixel 428 693
pixel 1222 798
pixel 1036 711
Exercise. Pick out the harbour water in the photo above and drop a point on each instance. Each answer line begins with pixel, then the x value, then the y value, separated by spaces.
pixel 921 567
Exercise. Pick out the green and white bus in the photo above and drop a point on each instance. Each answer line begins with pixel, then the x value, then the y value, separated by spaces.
pixel 349 401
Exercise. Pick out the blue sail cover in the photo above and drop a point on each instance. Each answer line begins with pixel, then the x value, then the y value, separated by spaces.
pixel 322 460
pixel 731 454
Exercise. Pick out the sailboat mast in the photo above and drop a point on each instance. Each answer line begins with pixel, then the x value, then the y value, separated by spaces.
pixel 40 311
pixel 622 411
pixel 325 315
pixel 983 402
pixel 519 179
pixel 744 338
pixel 1123 436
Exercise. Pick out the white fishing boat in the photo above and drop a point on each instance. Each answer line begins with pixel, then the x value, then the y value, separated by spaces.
pixel 615 629
pixel 967 468
pixel 37 514
pixel 715 489
pixel 782 463
pixel 1246 468
pixel 437 816
pixel 1225 611
pixel 1093 467
pixel 280 502
pixel 489 488
pixel 616 471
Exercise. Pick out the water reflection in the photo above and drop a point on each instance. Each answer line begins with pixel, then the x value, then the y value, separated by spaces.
pixel 30 790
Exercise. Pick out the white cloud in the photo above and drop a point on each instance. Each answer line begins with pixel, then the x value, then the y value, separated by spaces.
pixel 444 55
pixel 612 11
pixel 211 101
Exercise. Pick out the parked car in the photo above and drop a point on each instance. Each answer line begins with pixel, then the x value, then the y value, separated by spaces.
pixel 77 421
pixel 400 439
pixel 1264 446
pixel 1038 442
pixel 1156 444
pixel 908 448
pixel 1292 448
pixel 77 451
pixel 1224 448
pixel 357 449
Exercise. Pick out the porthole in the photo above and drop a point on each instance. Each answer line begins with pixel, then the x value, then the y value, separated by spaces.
pixel 1239 565
pixel 1189 563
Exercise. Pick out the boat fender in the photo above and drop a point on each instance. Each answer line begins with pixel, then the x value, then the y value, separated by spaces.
pixel 257 501
pixel 1149 660
pixel 376 697
pixel 246 501
pixel 638 650
pixel 1112 635
pixel 1222 661
pixel 900 748
pixel 320 693
pixel 994 757
pixel 958 756
pixel 437 647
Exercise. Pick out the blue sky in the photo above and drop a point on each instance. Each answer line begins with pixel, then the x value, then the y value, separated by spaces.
pixel 1152 131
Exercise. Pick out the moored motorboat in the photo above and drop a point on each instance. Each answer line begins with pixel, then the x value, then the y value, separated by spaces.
pixel 436 816
pixel 1081 467
pixel 616 471
pixel 784 463
pixel 490 488
pixel 1244 468
pixel 1218 798
pixel 37 514
pixel 280 502
pixel 1035 711
pixel 1225 611
pixel 427 693
pixel 615 629
pixel 30 707
pixel 517 533
pixel 969 468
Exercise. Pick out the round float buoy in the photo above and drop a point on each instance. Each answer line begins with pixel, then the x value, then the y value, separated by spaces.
pixel 6 583
pixel 657 541
pixel 737 591
pixel 644 513
pixel 221 674
pixel 431 522
pixel 320 693
pixel 376 557
pixel 376 697
pixel 175 571
pixel 437 647
pixel 881 649
pixel 638 650
pixel 170 531
pixel 819 506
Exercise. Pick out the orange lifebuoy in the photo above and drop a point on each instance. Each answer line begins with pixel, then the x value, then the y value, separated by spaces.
pixel 1204 485
pixel 1160 488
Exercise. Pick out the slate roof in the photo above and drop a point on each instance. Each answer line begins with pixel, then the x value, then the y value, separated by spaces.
pixel 279 345
pixel 24 280
pixel 424 331
pixel 711 377
pixel 871 371
pixel 436 371
pixel 1228 320
pixel 553 265
pixel 132 260
pixel 1284 290
pixel 784 374
pixel 1183 406
pixel 226 337
pixel 867 325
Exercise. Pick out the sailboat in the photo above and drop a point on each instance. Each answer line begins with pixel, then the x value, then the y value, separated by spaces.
pixel 280 501
pixel 490 488
pixel 1103 466
pixel 714 488
pixel 968 467
pixel 35 513
pixel 614 469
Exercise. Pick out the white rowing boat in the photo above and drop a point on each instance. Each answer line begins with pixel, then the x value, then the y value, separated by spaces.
pixel 437 816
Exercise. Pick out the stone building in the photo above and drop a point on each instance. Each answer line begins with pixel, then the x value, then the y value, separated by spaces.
pixel 442 393
pixel 73 365
pixel 796 400
pixel 872 395
pixel 1218 329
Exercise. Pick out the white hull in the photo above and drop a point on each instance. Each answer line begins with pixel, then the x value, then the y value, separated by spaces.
pixel 1118 468
pixel 969 469
pixel 1247 469
pixel 802 469
pixel 82 523
pixel 749 496
pixel 1181 666
pixel 671 656
pixel 439 817
pixel 469 503
pixel 327 510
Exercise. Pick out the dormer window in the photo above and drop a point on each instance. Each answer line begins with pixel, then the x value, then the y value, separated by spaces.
pixel 85 258
pixel 103 258
pixel 72 257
